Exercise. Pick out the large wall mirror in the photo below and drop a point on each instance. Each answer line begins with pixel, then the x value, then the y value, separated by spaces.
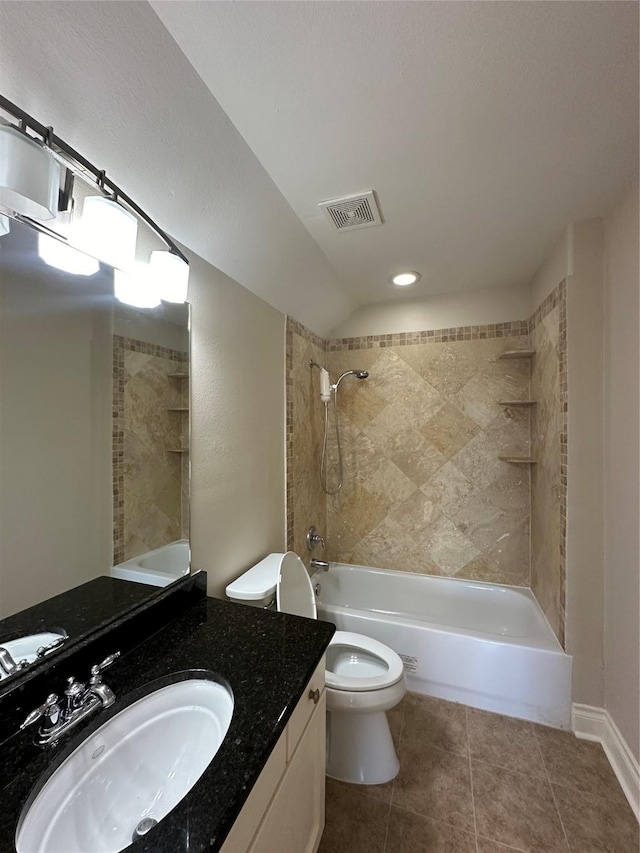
pixel 94 429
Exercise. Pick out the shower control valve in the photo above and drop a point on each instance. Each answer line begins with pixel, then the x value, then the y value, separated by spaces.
pixel 314 538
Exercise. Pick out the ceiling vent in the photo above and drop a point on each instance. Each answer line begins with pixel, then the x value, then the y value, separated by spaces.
pixel 353 211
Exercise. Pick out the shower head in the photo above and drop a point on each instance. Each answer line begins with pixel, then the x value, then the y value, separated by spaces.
pixel 360 374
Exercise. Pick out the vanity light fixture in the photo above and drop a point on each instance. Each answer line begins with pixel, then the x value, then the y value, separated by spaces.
pixel 170 276
pixel 405 278
pixel 64 257
pixel 4 225
pixel 136 287
pixel 30 159
pixel 29 175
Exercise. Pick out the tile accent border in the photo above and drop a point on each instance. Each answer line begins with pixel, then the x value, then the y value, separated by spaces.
pixel 596 724
pixel 433 336
pixel 558 298
pixel 121 345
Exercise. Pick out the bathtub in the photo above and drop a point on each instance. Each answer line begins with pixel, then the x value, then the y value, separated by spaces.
pixel 157 568
pixel 485 645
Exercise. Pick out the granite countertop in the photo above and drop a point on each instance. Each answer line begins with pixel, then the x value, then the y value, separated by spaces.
pixel 267 658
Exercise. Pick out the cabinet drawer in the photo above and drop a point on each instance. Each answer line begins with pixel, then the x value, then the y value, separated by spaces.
pixel 305 708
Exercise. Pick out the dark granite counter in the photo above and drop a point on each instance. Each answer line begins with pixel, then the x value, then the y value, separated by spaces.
pixel 267 659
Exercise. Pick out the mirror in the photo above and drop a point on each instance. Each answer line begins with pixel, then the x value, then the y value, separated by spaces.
pixel 94 428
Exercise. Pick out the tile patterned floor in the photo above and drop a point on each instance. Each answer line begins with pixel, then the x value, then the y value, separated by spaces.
pixel 475 782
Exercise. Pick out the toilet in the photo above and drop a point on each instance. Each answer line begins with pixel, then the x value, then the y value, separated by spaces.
pixel 364 678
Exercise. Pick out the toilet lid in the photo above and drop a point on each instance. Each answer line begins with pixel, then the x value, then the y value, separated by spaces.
pixel 356 662
pixel 294 591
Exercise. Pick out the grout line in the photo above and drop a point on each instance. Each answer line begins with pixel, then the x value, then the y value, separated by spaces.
pixel 553 794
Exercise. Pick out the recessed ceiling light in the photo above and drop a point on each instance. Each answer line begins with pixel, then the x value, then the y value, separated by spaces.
pixel 405 278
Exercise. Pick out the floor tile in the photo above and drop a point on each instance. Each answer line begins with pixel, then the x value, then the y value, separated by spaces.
pixel 487 846
pixel 434 722
pixel 413 833
pixel 595 824
pixel 354 823
pixel 434 783
pixel 516 810
pixel 578 764
pixel 504 742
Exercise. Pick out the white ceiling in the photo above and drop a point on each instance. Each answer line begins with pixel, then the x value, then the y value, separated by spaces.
pixel 485 128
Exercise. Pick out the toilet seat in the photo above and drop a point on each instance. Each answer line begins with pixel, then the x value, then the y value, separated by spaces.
pixel 380 666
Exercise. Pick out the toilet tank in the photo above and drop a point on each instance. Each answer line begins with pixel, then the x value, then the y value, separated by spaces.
pixel 257 586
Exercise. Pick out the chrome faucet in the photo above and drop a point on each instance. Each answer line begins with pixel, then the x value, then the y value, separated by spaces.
pixel 319 565
pixel 8 664
pixel 314 538
pixel 81 700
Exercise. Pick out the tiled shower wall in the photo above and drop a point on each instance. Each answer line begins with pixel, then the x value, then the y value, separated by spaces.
pixel 148 491
pixel 548 335
pixel 424 488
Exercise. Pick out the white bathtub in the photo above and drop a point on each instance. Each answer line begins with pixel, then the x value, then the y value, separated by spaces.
pixel 157 568
pixel 486 645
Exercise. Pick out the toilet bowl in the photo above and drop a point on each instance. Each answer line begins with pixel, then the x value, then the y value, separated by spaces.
pixel 364 678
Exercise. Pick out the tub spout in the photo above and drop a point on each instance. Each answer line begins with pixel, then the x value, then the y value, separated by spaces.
pixel 319 565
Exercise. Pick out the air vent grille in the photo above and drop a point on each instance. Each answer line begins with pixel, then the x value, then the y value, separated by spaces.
pixel 354 211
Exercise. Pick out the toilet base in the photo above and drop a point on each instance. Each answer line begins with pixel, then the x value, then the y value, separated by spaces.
pixel 360 749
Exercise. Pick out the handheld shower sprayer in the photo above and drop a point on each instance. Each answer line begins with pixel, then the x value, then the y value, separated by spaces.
pixel 325 395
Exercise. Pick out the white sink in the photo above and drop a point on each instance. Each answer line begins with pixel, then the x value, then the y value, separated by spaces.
pixel 137 766
pixel 26 648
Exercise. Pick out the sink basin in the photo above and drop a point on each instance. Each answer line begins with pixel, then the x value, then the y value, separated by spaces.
pixel 26 648
pixel 129 773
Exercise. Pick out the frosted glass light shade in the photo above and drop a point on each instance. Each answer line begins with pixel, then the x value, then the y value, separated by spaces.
pixel 170 276
pixel 4 225
pixel 64 257
pixel 29 175
pixel 135 288
pixel 108 232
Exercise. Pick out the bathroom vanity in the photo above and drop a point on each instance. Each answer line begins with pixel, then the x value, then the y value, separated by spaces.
pixel 264 788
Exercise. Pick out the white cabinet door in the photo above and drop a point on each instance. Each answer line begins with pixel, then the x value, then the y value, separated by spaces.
pixel 295 819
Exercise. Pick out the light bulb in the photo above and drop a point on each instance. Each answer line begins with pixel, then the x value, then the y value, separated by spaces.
pixel 64 257
pixel 170 276
pixel 405 278
pixel 136 287
pixel 108 232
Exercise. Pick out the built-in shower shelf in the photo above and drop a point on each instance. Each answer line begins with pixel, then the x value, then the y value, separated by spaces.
pixel 178 450
pixel 517 402
pixel 517 353
pixel 518 460
pixel 178 375
pixel 179 409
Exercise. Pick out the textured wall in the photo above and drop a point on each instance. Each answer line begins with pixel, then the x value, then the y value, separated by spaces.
pixel 305 499
pixel 424 489
pixel 547 531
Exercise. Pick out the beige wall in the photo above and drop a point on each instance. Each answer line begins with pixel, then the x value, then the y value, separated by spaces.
pixel 621 562
pixel 442 311
pixel 584 603
pixel 237 437
pixel 55 433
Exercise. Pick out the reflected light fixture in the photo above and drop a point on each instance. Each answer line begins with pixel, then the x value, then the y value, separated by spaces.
pixel 136 287
pixel 29 175
pixel 405 278
pixel 170 276
pixel 64 257
pixel 107 231
pixel 4 225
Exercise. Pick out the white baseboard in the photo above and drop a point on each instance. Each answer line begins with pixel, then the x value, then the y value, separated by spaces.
pixel 591 723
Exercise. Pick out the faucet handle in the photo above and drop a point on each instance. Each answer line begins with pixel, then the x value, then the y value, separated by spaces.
pixel 97 669
pixel 50 705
